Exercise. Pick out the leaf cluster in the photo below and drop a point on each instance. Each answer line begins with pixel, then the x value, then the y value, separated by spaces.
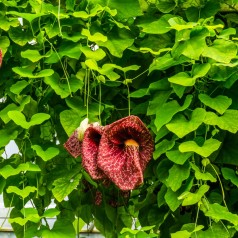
pixel 173 63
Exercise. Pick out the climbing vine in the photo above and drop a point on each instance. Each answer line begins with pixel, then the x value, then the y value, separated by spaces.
pixel 171 63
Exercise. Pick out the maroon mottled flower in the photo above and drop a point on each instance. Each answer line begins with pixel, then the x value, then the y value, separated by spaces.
pixel 0 58
pixel 126 146
pixel 74 143
pixel 98 198
pixel 90 146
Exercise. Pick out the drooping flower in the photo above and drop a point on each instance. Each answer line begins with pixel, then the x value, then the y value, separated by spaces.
pixel 74 143
pixel 0 58
pixel 90 145
pixel 126 146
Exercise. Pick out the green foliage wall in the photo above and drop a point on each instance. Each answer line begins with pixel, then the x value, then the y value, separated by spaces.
pixel 173 63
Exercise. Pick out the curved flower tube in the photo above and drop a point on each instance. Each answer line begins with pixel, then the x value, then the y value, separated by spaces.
pixel 90 147
pixel 126 147
pixel 74 143
pixel 0 58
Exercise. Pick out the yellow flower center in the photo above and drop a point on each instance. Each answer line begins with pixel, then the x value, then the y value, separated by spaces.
pixel 131 142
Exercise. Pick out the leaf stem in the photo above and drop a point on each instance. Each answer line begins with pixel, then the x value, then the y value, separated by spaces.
pixel 58 17
pixel 222 189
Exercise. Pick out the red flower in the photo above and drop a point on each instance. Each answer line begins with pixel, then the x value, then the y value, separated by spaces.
pixel 125 148
pixel 98 198
pixel 74 143
pixel 0 58
pixel 90 146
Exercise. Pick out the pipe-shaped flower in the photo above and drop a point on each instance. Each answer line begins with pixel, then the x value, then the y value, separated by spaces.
pixel 74 143
pixel 126 146
pixel 90 147
pixel 0 58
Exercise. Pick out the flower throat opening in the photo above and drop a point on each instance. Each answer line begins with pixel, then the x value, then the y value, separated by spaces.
pixel 131 142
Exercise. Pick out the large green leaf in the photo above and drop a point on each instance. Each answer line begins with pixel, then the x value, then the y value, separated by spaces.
pixel 62 228
pixel 70 49
pixel 193 198
pixel 228 121
pixel 194 47
pixel 19 86
pixel 20 119
pixel 28 16
pixel 177 174
pixel 118 41
pixel 165 113
pixel 162 147
pixel 7 134
pixel 206 176
pixel 8 170
pixel 25 192
pixel 32 55
pixel 179 24
pixel 70 120
pixel 216 230
pixel 6 23
pixel 125 8
pixel 220 103
pixel 209 146
pixel 200 70
pixel 166 6
pixel 181 127
pixel 4 43
pixel 20 36
pixel 177 157
pixel 218 212
pixel 22 221
pixel 96 37
pixel 64 186
pixel 27 73
pixel 61 87
pixel 97 55
pixel 183 79
pixel 179 234
pixel 12 107
pixel 221 51
pixel 47 154
pixel 171 199
pixel 51 212
pixel 94 11
pixel 166 61
pixel 156 26
pixel 230 174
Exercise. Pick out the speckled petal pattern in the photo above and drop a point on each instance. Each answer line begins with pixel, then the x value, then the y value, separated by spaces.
pixel 124 164
pixel 0 58
pixel 90 146
pixel 73 145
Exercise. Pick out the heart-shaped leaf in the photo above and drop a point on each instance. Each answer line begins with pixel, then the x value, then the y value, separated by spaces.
pixel 25 192
pixel 19 119
pixel 8 170
pixel 47 154
pixel 205 150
